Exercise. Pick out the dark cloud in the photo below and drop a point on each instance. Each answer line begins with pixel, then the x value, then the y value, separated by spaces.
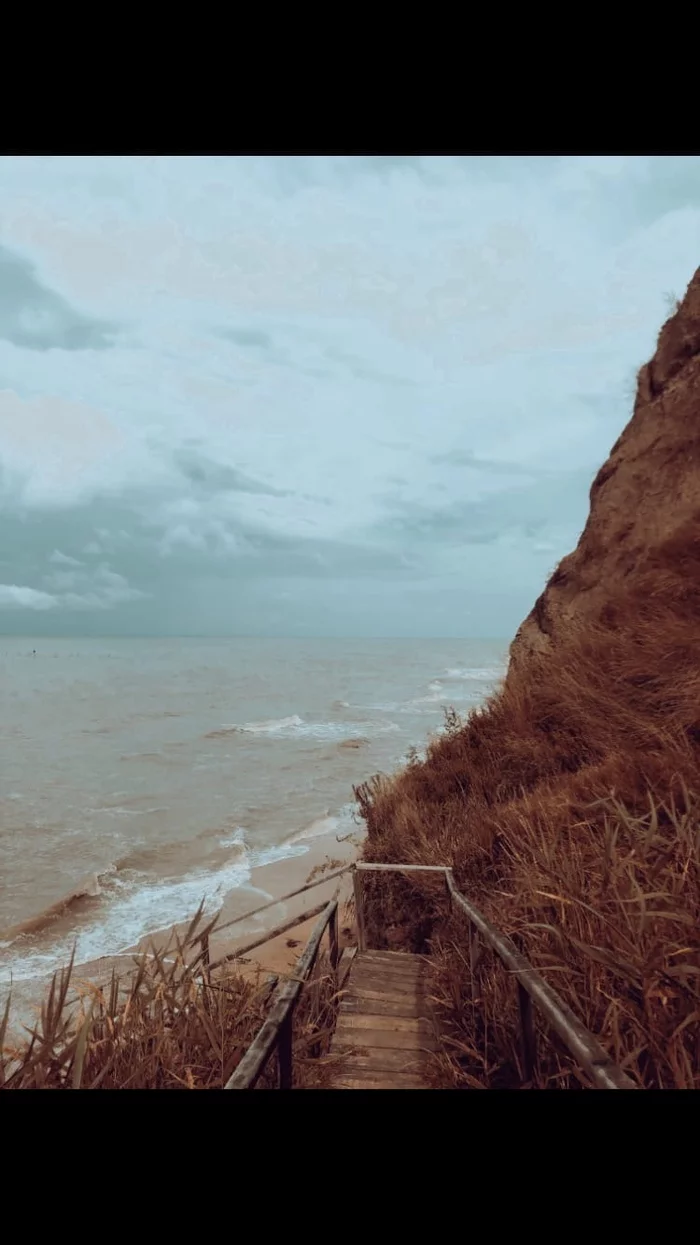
pixel 205 473
pixel 34 317
pixel 467 458
pixel 550 501
pixel 254 338
pixel 364 372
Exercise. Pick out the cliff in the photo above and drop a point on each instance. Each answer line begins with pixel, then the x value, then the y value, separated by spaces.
pixel 646 494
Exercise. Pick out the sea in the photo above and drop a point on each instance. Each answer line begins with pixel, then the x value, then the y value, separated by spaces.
pixel 139 777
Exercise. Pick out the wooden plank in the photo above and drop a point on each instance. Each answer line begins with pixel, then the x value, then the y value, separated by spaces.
pixel 395 980
pixel 401 1024
pixel 363 1040
pixel 394 957
pixel 387 954
pixel 366 980
pixel 380 1007
pixel 383 1060
pixel 389 959
pixel 365 972
pixel 382 970
pixel 386 970
pixel 361 993
pixel 386 1080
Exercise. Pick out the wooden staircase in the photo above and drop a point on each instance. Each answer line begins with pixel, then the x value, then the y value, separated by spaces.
pixel 384 1032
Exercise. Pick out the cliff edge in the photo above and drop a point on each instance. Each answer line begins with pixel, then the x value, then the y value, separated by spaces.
pixel 646 493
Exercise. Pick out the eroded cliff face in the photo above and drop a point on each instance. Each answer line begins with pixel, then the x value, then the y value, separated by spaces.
pixel 644 496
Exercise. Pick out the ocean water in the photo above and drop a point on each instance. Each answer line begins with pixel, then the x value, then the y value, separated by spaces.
pixel 139 777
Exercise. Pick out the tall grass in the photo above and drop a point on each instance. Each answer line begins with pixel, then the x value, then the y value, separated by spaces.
pixel 569 807
pixel 168 1025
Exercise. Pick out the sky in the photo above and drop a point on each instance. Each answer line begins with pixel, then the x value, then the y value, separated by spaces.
pixel 317 396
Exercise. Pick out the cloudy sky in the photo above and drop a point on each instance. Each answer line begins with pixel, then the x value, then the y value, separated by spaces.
pixel 316 396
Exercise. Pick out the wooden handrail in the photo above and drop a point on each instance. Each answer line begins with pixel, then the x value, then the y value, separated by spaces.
pixel 283 898
pixel 532 988
pixel 300 919
pixel 203 956
pixel 277 1028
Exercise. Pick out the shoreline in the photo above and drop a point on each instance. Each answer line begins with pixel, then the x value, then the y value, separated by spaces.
pixel 268 883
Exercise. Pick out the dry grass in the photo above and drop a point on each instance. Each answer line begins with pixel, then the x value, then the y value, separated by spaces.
pixel 169 1025
pixel 569 807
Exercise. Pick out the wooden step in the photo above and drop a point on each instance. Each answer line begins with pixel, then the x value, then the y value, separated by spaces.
pixel 396 967
pixel 383 1034
pixel 354 1004
pixel 381 1060
pixel 397 959
pixel 378 1080
pixel 374 988
pixel 365 1040
pixel 376 1020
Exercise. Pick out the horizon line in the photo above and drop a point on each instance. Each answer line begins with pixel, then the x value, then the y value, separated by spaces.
pixel 185 635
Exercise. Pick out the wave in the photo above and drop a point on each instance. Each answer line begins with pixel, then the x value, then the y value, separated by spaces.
pixel 475 672
pixel 132 908
pixel 327 823
pixel 139 910
pixel 296 728
pixel 269 727
pixel 121 810
pixel 89 888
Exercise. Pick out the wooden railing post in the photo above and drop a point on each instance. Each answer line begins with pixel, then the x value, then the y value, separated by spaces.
pixel 527 1034
pixel 284 1051
pixel 359 910
pixel 333 941
pixel 474 958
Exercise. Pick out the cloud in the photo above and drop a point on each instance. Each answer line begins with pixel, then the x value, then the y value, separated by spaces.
pixel 63 559
pixel 379 386
pixel 14 597
pixel 218 477
pixel 36 318
pixel 248 337
pixel 72 590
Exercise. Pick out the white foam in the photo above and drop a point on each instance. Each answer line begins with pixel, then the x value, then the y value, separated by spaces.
pixel 296 728
pixel 474 672
pixel 270 727
pixel 235 839
pixel 118 810
pixel 326 824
